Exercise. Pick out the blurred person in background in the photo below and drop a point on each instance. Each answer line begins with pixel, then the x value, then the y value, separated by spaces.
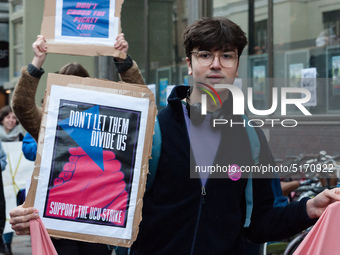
pixel 29 149
pixel 10 131
pixel 3 163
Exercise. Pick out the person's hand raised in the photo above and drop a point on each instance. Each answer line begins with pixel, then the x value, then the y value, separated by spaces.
pixel 39 50
pixel 121 44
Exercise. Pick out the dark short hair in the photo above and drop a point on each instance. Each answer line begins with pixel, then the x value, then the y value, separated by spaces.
pixel 4 111
pixel 74 69
pixel 215 33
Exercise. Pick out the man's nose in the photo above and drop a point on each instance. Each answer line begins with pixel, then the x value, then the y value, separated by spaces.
pixel 216 64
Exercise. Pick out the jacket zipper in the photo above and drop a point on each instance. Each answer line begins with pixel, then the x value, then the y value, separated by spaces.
pixel 203 193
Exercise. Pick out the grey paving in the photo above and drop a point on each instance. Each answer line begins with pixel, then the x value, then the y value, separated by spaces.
pixel 21 245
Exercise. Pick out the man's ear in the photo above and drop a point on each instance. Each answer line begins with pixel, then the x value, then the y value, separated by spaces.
pixel 236 74
pixel 189 66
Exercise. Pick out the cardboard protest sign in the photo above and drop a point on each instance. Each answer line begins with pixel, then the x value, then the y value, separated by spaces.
pixel 93 150
pixel 90 25
pixel 18 170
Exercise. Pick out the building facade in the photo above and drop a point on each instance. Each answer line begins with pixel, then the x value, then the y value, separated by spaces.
pixel 4 51
pixel 292 44
pixel 25 19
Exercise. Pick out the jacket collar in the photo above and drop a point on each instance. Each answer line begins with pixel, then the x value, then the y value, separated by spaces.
pixel 175 101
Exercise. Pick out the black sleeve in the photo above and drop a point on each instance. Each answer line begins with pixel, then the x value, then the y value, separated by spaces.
pixel 35 72
pixel 123 66
pixel 270 223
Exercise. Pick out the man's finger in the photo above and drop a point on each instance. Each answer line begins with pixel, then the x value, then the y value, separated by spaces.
pixel 24 232
pixel 20 211
pixel 23 219
pixel 21 228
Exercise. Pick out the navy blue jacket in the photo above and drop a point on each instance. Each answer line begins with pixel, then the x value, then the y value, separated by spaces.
pixel 178 219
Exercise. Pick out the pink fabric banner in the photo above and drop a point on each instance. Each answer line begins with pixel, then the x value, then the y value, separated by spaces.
pixel 41 241
pixel 323 238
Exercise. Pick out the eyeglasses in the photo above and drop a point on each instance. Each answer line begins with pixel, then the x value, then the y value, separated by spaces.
pixel 205 58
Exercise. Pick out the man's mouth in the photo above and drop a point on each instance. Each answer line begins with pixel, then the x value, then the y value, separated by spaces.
pixel 215 76
pixel 213 79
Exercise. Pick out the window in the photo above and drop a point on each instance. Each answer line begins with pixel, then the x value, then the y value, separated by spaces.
pixel 155 41
pixel 17 37
pixel 17 5
pixel 306 35
pixel 17 47
pixel 260 37
pixel 4 53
